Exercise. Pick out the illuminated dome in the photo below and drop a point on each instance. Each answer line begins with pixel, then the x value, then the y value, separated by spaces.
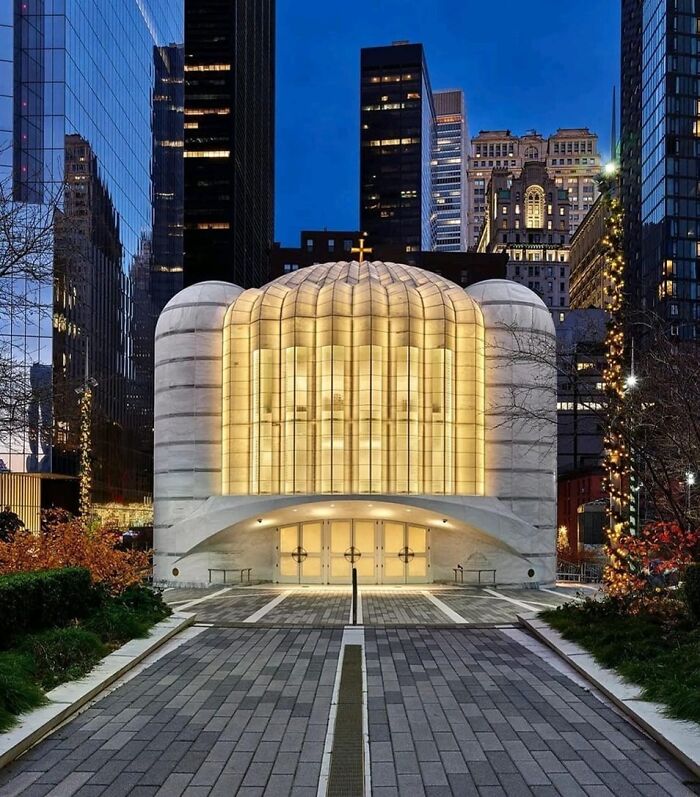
pixel 354 378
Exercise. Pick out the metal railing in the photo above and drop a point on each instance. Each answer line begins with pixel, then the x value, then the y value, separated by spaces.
pixel 580 572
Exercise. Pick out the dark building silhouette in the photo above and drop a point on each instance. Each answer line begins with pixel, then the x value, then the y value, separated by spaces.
pixel 631 141
pixel 167 174
pixel 323 246
pixel 229 140
pixel 661 160
pixel 397 139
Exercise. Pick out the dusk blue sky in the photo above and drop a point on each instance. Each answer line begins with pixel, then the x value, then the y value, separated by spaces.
pixel 539 64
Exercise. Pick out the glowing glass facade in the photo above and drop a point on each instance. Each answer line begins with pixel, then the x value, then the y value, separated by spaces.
pixel 350 378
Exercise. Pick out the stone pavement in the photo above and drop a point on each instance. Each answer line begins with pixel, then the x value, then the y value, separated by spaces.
pixel 324 606
pixel 450 710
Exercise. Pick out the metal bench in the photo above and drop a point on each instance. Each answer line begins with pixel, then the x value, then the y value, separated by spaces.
pixel 225 570
pixel 459 572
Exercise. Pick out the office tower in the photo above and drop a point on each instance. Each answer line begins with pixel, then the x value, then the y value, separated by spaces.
pixel 450 171
pixel 77 132
pixel 229 140
pixel 397 136
pixel 572 159
pixel 660 161
pixel 631 140
pixel 528 219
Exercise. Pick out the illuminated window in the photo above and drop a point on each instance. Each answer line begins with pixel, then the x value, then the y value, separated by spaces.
pixel 534 207
pixel 209 153
pixel 207 67
pixel 354 379
pixel 207 111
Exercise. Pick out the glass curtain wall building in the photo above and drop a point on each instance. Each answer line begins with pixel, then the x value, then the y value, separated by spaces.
pixel 79 86
pixel 229 140
pixel 664 264
pixel 397 140
pixel 450 171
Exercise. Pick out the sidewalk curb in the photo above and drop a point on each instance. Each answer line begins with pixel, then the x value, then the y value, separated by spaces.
pixel 68 698
pixel 679 737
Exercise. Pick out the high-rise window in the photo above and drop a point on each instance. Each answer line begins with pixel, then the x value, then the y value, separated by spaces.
pixel 534 207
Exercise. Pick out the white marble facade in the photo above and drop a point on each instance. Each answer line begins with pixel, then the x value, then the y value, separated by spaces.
pixel 508 526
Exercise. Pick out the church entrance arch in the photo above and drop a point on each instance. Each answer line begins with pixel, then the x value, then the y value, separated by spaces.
pixel 325 552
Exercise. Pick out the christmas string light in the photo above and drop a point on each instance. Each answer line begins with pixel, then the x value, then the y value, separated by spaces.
pixel 617 458
pixel 85 472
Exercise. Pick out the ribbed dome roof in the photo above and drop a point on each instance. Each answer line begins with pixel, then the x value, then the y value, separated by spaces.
pixel 353 289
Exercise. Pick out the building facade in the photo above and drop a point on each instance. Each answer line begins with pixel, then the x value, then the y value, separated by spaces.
pixel 78 135
pixel 587 283
pixel 229 140
pixel 322 246
pixel 397 141
pixel 571 156
pixel 450 171
pixel 528 219
pixel 344 417
pixel 660 171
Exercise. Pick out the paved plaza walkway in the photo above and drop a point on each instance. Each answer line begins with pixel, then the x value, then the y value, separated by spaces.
pixel 457 701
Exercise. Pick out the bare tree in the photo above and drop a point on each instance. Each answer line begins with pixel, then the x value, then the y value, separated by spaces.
pixel 658 418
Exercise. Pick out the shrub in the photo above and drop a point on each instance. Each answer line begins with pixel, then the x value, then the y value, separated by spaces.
pixel 692 589
pixel 65 542
pixel 18 692
pixel 36 600
pixel 127 616
pixel 63 654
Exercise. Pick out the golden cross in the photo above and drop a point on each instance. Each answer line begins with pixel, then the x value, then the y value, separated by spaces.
pixel 361 249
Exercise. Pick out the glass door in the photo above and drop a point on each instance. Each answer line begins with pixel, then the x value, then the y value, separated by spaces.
pixel 299 554
pixel 351 544
pixel 405 554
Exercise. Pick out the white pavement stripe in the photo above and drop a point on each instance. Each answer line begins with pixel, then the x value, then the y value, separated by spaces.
pixel 201 600
pixel 560 594
pixel 444 608
pixel 359 608
pixel 531 606
pixel 352 635
pixel 255 616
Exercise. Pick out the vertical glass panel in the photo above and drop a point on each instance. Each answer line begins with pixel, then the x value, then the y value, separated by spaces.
pixel 364 536
pixel 341 538
pixel 289 539
pixel 311 537
pixel 393 538
pixel 417 539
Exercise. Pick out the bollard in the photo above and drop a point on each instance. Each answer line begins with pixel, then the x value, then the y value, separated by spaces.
pixel 354 596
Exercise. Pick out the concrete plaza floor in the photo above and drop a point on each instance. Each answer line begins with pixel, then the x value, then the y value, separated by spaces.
pixel 242 704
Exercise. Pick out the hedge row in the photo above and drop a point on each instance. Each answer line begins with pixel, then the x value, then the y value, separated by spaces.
pixel 43 599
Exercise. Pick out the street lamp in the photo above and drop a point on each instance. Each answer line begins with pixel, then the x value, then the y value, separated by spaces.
pixel 631 381
pixel 690 481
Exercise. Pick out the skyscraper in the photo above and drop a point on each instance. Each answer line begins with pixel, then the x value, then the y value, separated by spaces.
pixel 450 171
pixel 77 137
pixel 397 139
pixel 631 135
pixel 229 140
pixel 660 160
pixel 572 159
